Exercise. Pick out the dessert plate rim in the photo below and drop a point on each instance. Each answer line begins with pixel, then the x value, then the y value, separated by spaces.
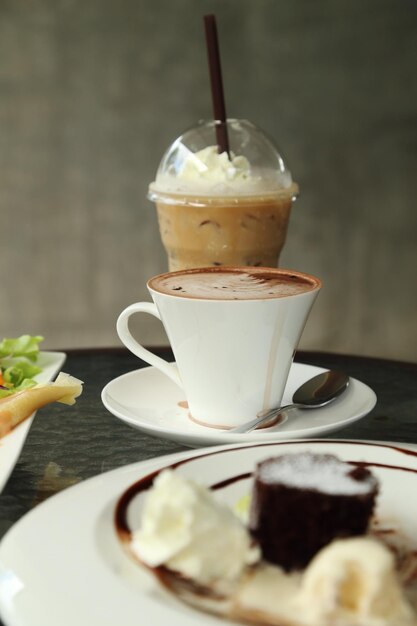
pixel 87 578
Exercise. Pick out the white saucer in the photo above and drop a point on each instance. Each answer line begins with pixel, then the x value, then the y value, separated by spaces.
pixel 148 400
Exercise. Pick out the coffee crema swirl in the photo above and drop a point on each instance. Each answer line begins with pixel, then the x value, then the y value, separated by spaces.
pixel 234 283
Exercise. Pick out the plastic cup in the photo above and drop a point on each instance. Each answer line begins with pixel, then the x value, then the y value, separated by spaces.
pixel 219 210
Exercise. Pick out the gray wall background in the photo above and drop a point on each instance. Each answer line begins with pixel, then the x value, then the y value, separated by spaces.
pixel 92 92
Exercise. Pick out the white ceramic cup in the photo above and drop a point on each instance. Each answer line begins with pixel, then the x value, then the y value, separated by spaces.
pixel 232 357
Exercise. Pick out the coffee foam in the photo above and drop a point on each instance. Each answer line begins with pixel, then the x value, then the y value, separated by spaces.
pixel 234 284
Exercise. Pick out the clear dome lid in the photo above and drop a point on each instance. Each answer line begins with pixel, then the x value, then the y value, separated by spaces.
pixel 192 164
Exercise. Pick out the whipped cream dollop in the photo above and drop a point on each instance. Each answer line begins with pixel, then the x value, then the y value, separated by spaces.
pixel 208 164
pixel 353 581
pixel 207 172
pixel 350 582
pixel 184 528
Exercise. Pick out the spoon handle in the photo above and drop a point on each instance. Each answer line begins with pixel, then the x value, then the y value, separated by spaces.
pixel 247 427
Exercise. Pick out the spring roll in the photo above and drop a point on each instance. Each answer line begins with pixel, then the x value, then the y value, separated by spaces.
pixel 20 405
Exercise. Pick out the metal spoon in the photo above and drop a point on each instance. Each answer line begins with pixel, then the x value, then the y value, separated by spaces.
pixel 314 393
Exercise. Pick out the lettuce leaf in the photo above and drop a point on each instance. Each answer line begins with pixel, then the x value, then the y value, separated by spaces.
pixel 25 384
pixel 17 363
pixel 25 345
pixel 18 372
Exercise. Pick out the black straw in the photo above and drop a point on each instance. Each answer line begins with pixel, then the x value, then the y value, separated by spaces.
pixel 219 108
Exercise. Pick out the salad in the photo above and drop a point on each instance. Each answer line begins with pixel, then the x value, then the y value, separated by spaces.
pixel 20 393
pixel 18 366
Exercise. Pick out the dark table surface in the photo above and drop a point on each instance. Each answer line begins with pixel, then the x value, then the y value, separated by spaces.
pixel 67 445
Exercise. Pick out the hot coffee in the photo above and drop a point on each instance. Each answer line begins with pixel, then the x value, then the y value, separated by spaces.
pixel 221 283
pixel 233 332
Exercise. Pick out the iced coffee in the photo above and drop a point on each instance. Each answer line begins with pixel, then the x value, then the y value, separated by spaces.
pixel 223 208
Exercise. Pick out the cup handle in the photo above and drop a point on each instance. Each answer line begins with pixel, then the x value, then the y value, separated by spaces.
pixel 130 342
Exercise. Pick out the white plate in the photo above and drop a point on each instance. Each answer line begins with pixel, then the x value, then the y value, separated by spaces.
pixel 11 444
pixel 62 563
pixel 148 400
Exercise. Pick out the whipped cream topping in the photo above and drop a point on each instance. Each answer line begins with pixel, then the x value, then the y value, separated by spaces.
pixel 209 173
pixel 350 582
pixel 186 529
pixel 353 581
pixel 208 164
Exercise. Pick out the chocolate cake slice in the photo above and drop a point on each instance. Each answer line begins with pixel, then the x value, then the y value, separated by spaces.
pixel 301 502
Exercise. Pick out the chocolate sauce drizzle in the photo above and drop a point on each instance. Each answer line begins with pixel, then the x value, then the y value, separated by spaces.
pixel 120 519
pixel 188 589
